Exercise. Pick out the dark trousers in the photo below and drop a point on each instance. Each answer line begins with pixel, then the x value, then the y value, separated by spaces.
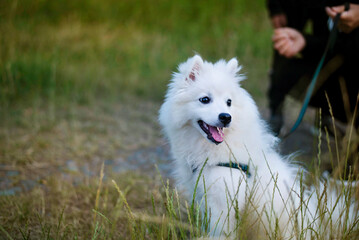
pixel 342 86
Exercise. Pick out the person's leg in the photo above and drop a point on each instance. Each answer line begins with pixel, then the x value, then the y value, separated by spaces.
pixel 284 75
pixel 342 89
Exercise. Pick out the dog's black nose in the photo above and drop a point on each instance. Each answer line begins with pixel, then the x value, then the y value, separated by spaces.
pixel 225 118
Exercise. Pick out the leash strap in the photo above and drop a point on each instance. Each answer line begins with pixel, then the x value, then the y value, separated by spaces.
pixel 308 95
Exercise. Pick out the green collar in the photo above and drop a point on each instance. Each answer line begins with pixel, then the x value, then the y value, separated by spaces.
pixel 242 167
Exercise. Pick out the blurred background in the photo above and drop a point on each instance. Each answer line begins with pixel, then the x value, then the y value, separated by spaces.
pixel 89 76
pixel 81 83
pixel 82 50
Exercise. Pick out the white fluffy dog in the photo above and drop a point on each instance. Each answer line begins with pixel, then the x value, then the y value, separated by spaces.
pixel 214 128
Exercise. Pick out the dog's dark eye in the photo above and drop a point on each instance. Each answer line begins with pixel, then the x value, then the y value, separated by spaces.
pixel 205 100
pixel 229 102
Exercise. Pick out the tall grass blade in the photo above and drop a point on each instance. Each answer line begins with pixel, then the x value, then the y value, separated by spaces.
pixel 102 215
pixel 5 233
pixel 59 223
pixel 99 190
pixel 129 211
pixel 196 185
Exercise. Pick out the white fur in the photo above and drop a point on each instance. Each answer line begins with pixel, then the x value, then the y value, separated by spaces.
pixel 273 191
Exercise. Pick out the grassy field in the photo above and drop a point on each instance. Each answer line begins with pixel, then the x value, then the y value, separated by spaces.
pixel 82 81
pixel 83 51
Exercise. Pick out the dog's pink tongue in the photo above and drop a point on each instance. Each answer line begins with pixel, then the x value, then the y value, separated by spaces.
pixel 217 133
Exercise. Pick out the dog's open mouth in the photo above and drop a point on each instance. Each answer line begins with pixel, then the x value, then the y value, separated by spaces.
pixel 215 134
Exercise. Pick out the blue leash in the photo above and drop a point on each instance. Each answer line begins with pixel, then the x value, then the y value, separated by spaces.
pixel 308 95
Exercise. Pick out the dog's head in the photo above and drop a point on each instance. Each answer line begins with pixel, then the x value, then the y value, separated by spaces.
pixel 203 95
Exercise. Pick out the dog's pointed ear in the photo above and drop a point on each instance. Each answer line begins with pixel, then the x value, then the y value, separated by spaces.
pixel 233 67
pixel 195 65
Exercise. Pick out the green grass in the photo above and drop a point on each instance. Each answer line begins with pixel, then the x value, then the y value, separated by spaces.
pixel 135 206
pixel 82 50
pixel 58 210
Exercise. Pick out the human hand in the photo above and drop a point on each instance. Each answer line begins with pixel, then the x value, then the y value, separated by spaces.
pixel 349 20
pixel 279 20
pixel 288 41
